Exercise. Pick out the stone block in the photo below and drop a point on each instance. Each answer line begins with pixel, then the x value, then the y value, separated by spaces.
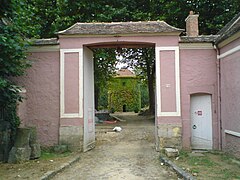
pixel 170 135
pixel 35 151
pixel 171 152
pixel 162 132
pixel 169 130
pixel 177 131
pixel 5 143
pixel 18 155
pixel 72 136
pixel 33 135
pixel 170 142
pixel 60 148
pixel 22 138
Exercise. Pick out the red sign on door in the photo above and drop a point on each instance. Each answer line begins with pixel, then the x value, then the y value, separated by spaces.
pixel 199 113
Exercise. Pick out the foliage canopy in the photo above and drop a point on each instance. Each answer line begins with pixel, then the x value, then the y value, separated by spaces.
pixel 55 15
pixel 12 62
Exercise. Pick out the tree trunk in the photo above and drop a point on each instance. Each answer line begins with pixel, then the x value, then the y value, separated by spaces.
pixel 151 94
pixel 150 77
pixel 96 97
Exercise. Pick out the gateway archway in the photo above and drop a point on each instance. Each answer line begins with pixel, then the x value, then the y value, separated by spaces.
pixel 77 80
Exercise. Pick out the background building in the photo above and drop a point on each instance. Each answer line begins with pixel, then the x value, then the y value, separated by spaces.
pixel 124 92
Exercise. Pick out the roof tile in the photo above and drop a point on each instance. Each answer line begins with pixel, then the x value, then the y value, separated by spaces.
pixel 120 28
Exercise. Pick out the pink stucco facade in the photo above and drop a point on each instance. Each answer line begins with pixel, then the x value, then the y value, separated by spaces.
pixel 230 99
pixel 41 106
pixel 229 46
pixel 71 83
pixel 167 80
pixel 198 76
pixel 79 42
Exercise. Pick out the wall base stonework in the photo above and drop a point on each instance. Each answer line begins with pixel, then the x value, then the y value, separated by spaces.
pixel 72 136
pixel 170 135
pixel 232 145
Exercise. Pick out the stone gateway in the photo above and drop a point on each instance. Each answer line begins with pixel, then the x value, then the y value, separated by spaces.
pixel 60 93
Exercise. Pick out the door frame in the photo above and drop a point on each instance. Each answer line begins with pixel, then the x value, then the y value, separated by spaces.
pixel 211 119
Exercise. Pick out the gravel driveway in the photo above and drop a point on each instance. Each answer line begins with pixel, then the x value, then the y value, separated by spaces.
pixel 129 154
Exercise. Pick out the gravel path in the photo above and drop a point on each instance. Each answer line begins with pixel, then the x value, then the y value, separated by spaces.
pixel 129 154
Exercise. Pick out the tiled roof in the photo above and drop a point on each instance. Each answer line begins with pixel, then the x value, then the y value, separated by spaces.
pixel 198 39
pixel 120 28
pixel 125 73
pixel 42 42
pixel 229 29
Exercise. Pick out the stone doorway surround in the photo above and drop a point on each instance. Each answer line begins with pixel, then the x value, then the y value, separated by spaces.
pixel 156 34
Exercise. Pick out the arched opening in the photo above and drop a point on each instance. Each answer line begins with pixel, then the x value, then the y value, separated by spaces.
pixel 124 93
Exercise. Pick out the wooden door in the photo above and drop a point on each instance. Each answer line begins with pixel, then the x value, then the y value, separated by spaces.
pixel 88 98
pixel 201 121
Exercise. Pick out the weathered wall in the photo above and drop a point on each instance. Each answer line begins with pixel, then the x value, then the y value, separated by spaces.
pixel 42 92
pixel 198 75
pixel 230 98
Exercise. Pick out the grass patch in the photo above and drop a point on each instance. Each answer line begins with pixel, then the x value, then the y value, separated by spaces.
pixel 183 154
pixel 49 154
pixel 211 165
pixel 201 161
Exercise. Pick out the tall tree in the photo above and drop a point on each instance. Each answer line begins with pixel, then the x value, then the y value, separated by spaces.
pixel 104 68
pixel 142 60
pixel 12 63
pixel 55 15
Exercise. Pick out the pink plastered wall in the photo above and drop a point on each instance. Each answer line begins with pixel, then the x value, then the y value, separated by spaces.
pixel 167 80
pixel 41 106
pixel 230 98
pixel 71 82
pixel 168 87
pixel 78 42
pixel 230 46
pixel 198 74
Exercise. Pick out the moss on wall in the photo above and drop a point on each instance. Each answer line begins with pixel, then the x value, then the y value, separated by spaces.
pixel 124 94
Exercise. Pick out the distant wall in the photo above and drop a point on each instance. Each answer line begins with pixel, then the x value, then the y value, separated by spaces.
pixel 230 98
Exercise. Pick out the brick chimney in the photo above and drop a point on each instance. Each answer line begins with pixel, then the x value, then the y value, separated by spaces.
pixel 192 24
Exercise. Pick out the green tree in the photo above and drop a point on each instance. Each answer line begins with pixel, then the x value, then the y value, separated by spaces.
pixel 12 62
pixel 55 15
pixel 144 95
pixel 124 94
pixel 142 60
pixel 104 68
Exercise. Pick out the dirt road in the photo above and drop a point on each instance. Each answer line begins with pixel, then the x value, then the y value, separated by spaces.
pixel 129 154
